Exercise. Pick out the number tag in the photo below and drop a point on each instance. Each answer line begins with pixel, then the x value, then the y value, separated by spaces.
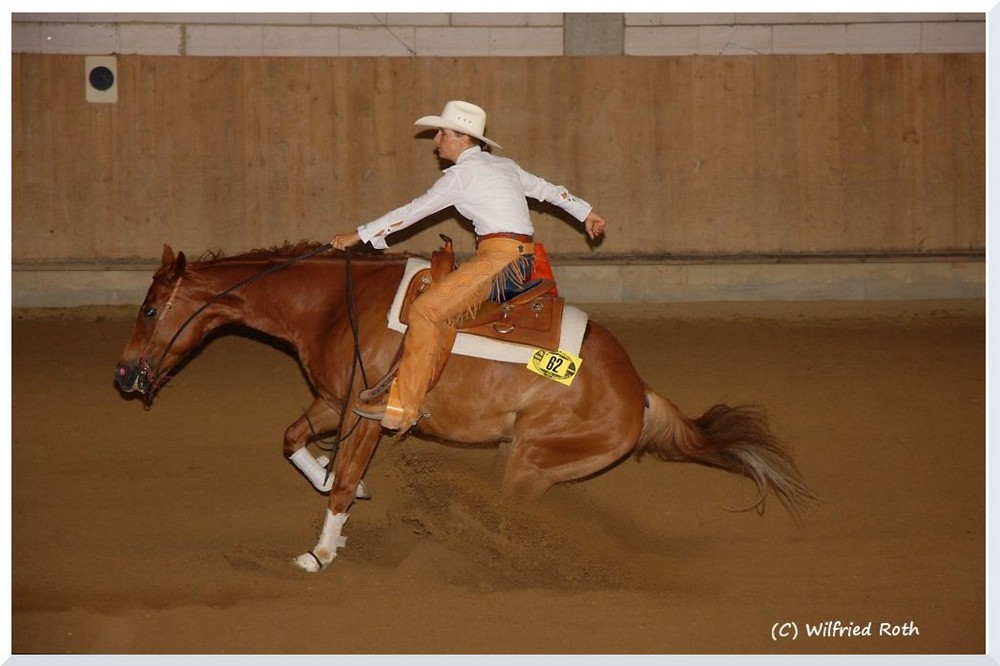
pixel 558 366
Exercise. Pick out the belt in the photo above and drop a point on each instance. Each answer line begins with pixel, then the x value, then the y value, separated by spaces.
pixel 523 238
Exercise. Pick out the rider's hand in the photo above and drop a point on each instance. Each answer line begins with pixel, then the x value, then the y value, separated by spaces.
pixel 344 241
pixel 594 224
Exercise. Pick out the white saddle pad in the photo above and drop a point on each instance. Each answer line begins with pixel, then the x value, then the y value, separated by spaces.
pixel 574 323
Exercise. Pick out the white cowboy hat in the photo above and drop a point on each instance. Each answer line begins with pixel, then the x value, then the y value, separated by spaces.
pixel 460 116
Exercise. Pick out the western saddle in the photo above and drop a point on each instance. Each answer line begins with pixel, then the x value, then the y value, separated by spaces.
pixel 531 315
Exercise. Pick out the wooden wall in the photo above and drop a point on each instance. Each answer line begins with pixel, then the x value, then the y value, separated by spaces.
pixel 692 156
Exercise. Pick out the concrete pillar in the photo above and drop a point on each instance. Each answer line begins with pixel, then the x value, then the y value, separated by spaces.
pixel 593 34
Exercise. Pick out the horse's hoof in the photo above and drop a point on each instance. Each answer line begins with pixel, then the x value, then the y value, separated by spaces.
pixel 308 562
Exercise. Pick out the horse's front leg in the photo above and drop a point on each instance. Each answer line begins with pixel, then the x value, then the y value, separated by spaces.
pixel 355 453
pixel 320 417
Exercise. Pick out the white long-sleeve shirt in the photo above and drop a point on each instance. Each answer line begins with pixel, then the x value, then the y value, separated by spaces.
pixel 488 190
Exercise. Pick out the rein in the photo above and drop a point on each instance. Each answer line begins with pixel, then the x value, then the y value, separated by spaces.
pixel 352 316
pixel 356 362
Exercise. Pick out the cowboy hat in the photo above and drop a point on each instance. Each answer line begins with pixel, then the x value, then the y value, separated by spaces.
pixel 460 116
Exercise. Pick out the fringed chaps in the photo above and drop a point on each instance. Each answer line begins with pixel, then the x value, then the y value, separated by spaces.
pixel 431 332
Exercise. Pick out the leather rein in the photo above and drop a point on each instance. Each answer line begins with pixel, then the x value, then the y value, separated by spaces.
pixel 154 380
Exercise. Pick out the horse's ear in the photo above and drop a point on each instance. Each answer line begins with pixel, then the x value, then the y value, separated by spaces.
pixel 179 265
pixel 168 255
pixel 172 265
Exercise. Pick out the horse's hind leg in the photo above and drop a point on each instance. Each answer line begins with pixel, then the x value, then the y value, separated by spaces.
pixel 538 461
pixel 522 479
pixel 318 418
pixel 355 453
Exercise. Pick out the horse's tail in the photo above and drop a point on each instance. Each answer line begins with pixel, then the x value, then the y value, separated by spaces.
pixel 735 439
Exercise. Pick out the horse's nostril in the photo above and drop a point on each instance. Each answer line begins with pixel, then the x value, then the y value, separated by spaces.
pixel 125 378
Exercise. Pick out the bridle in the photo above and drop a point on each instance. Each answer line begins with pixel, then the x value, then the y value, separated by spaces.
pixel 144 369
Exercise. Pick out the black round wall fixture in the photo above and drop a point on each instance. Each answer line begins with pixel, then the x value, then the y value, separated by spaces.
pixel 101 78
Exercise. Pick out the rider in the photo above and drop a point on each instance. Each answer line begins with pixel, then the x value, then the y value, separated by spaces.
pixel 491 192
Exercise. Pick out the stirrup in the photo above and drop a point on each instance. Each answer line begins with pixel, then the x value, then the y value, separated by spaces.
pixel 375 412
pixel 378 413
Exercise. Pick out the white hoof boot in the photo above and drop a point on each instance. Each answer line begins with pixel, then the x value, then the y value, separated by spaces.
pixel 325 551
pixel 309 562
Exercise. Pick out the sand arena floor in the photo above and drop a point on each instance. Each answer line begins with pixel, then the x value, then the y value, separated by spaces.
pixel 171 530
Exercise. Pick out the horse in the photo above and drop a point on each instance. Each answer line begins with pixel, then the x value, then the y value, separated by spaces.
pixel 331 309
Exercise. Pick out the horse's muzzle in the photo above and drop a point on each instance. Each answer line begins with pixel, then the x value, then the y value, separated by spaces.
pixel 132 378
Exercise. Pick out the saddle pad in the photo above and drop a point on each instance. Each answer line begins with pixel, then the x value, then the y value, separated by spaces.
pixel 574 324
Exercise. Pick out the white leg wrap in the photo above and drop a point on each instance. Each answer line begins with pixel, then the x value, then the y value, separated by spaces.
pixel 330 540
pixel 312 470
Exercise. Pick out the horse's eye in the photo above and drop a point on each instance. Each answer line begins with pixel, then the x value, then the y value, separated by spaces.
pixel 148 311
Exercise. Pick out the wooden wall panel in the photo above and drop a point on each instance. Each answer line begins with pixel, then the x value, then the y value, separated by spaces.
pixel 696 156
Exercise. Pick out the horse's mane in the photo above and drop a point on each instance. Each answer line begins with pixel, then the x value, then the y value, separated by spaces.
pixel 287 250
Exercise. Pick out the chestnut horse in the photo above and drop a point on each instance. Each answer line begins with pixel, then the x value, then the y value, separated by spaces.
pixel 333 313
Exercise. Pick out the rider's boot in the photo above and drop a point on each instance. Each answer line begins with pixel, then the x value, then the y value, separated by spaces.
pixel 389 412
